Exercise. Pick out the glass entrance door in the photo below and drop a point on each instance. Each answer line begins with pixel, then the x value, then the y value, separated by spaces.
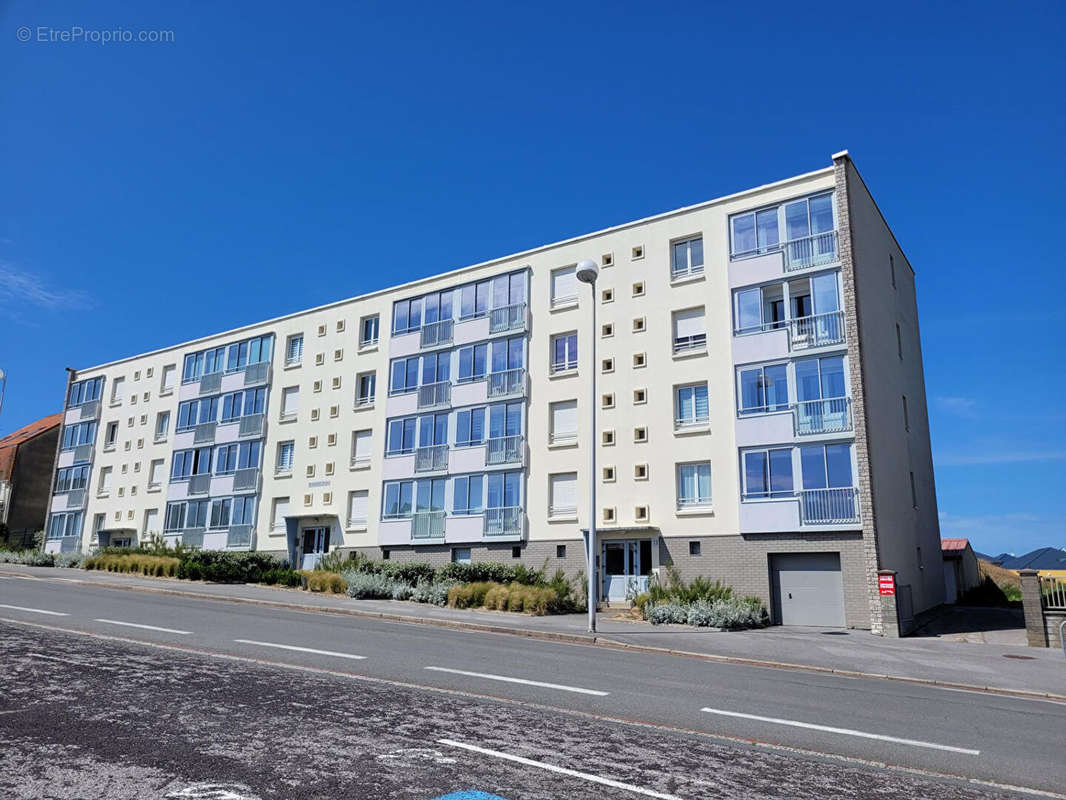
pixel 316 545
pixel 626 567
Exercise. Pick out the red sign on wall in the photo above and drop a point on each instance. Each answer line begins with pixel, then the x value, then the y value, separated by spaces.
pixel 886 584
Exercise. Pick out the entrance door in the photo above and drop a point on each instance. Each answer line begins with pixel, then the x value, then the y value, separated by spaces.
pixel 316 544
pixel 808 589
pixel 626 567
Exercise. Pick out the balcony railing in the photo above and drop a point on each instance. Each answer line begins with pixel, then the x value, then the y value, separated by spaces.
pixel 437 333
pixel 199 484
pixel 204 433
pixel 211 383
pixel 511 381
pixel 810 251
pixel 192 538
pixel 239 536
pixel 832 415
pixel 251 425
pixel 503 450
pixel 431 458
pixel 90 410
pixel 507 318
pixel 562 511
pixel 246 480
pixel 433 395
pixel 83 452
pixel 828 506
pixel 684 423
pixel 1053 593
pixel 76 498
pixel 503 521
pixel 688 344
pixel 818 330
pixel 427 525
pixel 680 273
pixel 364 401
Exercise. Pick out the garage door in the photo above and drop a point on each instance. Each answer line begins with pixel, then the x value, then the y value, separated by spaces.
pixel 808 589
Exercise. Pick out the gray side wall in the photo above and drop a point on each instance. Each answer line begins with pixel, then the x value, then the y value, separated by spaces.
pixel 31 481
pixel 894 451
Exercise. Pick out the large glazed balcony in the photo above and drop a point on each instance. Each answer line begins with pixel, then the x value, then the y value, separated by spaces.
pixel 776 319
pixel 806 418
pixel 803 509
pixel 503 451
pixel 230 381
pixel 767 263
pixel 80 413
pixel 774 340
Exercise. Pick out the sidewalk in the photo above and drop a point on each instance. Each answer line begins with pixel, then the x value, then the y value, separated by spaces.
pixel 923 659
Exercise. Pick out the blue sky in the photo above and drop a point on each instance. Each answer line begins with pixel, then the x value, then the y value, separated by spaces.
pixel 277 156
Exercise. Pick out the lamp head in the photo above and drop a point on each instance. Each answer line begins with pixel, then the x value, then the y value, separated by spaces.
pixel 587 271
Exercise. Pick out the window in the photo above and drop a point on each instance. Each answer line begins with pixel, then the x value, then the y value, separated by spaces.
pixel 281 510
pixel 460 555
pixel 310 471
pixel 402 498
pixel 294 350
pixel 162 425
pixel 694 484
pixel 231 457
pixel 768 473
pixel 186 463
pixel 366 384
pixel 470 427
pixel 314 414
pixel 85 391
pixel 691 406
pixel 230 358
pixel 321 330
pixel 899 342
pixel 563 416
pixel 118 390
pixel 914 492
pixel 563 495
pixel 334 412
pixel 69 479
pixel 560 551
pixel 242 404
pixel 151 522
pixel 104 486
pixel 290 402
pixel 196 412
pixel 892 269
pixel 358 508
pixel 473 362
pixel 368 331
pixel 803 220
pixel 65 525
pixel 155 473
pixel 694 548
pixel 468 494
pixel 640 513
pixel 826 466
pixel 320 359
pixel 763 389
pixel 336 382
pixel 404 375
pixel 690 331
pixel 330 469
pixel 79 434
pixel 637 252
pixel 686 258
pixel 111 435
pixel 564 352
pixel 283 464
pixel 516 551
pixel 316 386
pixel 906 415
pixel 362 442
pixel 564 286
pixel 166 385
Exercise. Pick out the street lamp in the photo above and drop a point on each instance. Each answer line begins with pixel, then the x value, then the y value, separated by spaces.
pixel 587 272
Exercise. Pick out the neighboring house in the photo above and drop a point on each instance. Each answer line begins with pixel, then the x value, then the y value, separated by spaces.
pixel 960 568
pixel 27 459
pixel 761 415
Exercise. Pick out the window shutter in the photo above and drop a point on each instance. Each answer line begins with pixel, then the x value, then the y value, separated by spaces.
pixel 363 440
pixel 290 400
pixel 564 283
pixel 689 323
pixel 564 418
pixel 281 510
pixel 564 491
pixel 357 506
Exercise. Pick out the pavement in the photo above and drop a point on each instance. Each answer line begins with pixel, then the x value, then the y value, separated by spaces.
pixel 119 693
pixel 947 660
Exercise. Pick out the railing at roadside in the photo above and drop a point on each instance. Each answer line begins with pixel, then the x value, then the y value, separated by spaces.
pixel 1053 593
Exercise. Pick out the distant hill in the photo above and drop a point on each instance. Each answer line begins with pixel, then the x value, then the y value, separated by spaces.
pixel 1041 558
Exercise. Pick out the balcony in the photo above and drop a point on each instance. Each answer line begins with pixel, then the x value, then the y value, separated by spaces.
pixel 437 334
pixel 246 480
pixel 822 416
pixel 427 526
pixel 774 340
pixel 504 450
pixel 807 251
pixel 256 374
pixel 83 453
pixel 432 458
pixel 240 537
pixel 210 384
pixel 507 383
pixel 199 484
pixel 508 318
pixel 251 426
pixel 434 395
pixel 89 410
pixel 503 522
pixel 204 433
pixel 829 506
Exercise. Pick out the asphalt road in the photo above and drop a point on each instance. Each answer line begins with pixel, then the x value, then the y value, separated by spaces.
pixel 125 694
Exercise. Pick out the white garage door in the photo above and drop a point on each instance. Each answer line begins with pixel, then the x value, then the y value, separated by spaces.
pixel 808 589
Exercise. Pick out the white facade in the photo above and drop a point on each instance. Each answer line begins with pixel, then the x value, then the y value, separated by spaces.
pixel 723 392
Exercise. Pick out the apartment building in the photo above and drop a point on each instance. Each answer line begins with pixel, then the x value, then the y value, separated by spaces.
pixel 761 415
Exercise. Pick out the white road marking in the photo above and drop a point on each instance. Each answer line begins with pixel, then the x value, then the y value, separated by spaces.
pixel 505 679
pixel 573 773
pixel 996 695
pixel 844 731
pixel 145 627
pixel 37 610
pixel 301 649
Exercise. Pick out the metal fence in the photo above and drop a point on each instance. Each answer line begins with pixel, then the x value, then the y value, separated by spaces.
pixel 427 525
pixel 431 458
pixel 503 450
pixel 810 251
pixel 431 395
pixel 816 331
pixel 507 382
pixel 1053 593
pixel 437 333
pixel 507 318
pixel 503 521
pixel 832 415
pixel 829 506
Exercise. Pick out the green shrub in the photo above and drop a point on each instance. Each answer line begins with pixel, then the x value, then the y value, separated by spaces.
pixel 369 585
pixel 490 571
pixel 335 561
pixel 281 576
pixel 27 558
pixel 434 593
pixel 220 566
pixel 731 613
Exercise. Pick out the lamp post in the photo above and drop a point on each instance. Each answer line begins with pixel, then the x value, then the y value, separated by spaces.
pixel 587 272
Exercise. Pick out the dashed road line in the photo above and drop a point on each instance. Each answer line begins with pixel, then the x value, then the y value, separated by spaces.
pixel 36 610
pixel 144 627
pixel 301 649
pixel 505 679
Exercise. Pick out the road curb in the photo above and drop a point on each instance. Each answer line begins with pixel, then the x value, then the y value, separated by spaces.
pixel 570 638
